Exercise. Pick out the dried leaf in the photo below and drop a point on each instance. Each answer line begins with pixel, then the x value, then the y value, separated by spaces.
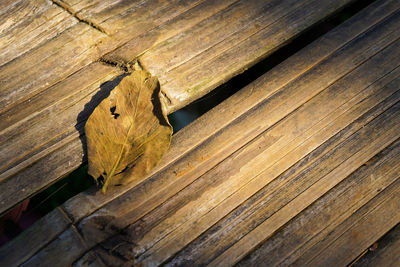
pixel 128 130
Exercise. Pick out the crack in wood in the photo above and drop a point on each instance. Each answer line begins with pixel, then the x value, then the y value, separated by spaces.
pixel 125 67
pixel 129 67
pixel 71 11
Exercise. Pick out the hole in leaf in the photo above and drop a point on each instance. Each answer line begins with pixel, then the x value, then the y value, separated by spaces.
pixel 112 110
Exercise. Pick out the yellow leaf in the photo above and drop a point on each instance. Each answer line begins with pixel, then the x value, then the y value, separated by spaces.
pixel 128 130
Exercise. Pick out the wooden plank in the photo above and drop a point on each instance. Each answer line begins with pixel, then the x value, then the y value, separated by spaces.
pixel 292 94
pixel 196 223
pixel 60 54
pixel 68 56
pixel 123 18
pixel 319 219
pixel 90 259
pixel 192 136
pixel 25 25
pixel 362 230
pixel 387 252
pixel 209 214
pixel 88 80
pixel 62 251
pixel 280 218
pixel 190 75
pixel 234 20
pixel 166 206
pixel 74 44
pixel 170 29
pixel 143 200
pixel 34 238
pixel 69 109
pixel 276 194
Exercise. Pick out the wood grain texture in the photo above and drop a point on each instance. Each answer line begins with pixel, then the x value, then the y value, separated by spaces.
pixel 216 61
pixel 386 253
pixel 39 235
pixel 220 144
pixel 170 29
pixel 321 219
pixel 291 167
pixel 54 97
pixel 25 25
pixel 59 57
pixel 377 218
pixel 37 161
pixel 191 137
pixel 275 195
pixel 57 98
pixel 62 251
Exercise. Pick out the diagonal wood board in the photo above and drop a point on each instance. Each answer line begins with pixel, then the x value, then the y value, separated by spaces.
pixel 59 58
pixel 300 167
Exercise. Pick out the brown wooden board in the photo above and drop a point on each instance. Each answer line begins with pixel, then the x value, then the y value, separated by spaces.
pixel 383 252
pixel 191 137
pixel 362 229
pixel 25 25
pixel 273 197
pixel 62 251
pixel 186 170
pixel 315 224
pixel 34 238
pixel 77 49
pixel 316 133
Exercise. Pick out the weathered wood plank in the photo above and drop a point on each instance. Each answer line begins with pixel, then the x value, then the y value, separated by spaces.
pixel 350 79
pixel 304 128
pixel 370 222
pixel 62 251
pixel 319 219
pixel 281 217
pixel 36 237
pixel 24 25
pixel 92 259
pixel 208 213
pixel 386 254
pixel 100 28
pixel 59 57
pixel 87 80
pixel 179 175
pixel 212 31
pixel 17 144
pixel 192 136
pixel 210 62
pixel 172 28
pixel 280 191
pixel 125 19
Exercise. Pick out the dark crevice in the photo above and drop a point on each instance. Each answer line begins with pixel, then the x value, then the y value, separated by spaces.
pixel 71 11
pixel 120 65
pixel 186 115
pixel 126 67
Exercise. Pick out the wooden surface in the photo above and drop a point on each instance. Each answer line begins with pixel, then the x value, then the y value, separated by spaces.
pixel 300 167
pixel 58 59
pixel 384 252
